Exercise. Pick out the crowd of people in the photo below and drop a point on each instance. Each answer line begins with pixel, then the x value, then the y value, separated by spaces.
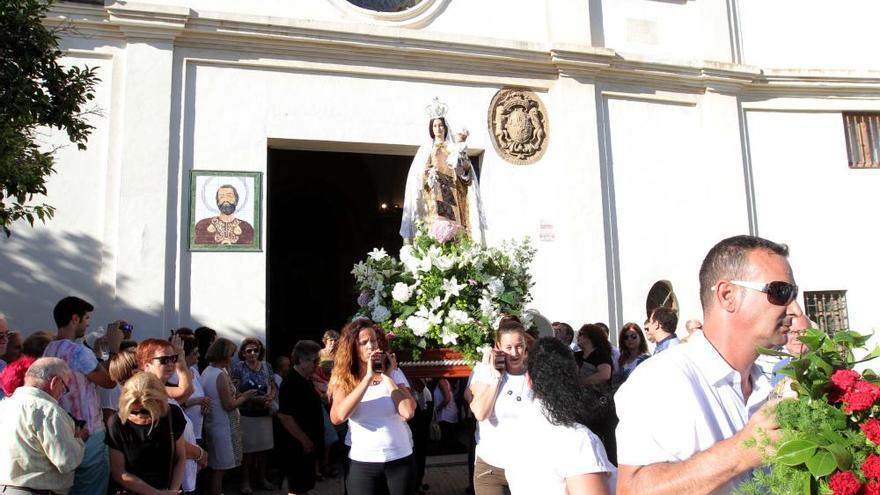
pixel 97 412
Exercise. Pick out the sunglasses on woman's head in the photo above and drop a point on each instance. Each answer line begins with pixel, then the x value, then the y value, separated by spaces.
pixel 778 293
pixel 166 359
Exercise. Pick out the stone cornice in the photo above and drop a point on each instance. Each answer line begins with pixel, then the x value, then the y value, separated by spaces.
pixel 396 52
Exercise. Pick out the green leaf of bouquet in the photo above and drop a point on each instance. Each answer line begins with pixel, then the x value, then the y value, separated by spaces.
pixel 812 340
pixel 842 457
pixel 795 452
pixel 821 464
pixel 507 298
pixel 820 363
pixel 407 311
pixel 773 352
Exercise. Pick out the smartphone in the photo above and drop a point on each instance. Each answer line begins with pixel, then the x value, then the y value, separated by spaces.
pixel 378 363
pixel 500 360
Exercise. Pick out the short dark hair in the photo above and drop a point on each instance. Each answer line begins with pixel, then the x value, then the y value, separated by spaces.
pixel 69 306
pixel 226 186
pixel 190 343
pixel 604 328
pixel 564 330
pixel 666 317
pixel 728 259
pixel 251 341
pixel 304 349
pixel 431 127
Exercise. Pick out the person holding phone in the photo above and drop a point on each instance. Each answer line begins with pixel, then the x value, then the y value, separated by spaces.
pixel 499 396
pixel 372 394
pixel 252 372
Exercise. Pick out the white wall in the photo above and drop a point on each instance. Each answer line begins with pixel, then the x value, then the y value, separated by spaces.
pixel 808 197
pixel 674 197
pixel 810 34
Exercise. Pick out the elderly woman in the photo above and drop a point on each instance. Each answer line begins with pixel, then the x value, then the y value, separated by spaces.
pixel 222 429
pixel 499 396
pixel 371 393
pixel 572 459
pixel 145 437
pixel 252 372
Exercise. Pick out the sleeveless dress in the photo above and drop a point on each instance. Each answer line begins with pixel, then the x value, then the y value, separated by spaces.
pixel 221 429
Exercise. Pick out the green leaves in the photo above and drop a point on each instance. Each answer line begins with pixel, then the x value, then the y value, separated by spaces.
pixel 36 91
pixel 795 452
pixel 822 463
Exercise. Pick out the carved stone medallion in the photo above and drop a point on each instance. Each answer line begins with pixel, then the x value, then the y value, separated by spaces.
pixel 519 126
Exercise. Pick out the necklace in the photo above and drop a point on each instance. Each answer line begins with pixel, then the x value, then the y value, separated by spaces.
pixel 521 387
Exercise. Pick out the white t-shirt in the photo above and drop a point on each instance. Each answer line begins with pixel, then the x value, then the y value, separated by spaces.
pixel 191 468
pixel 563 452
pixel 701 399
pixel 109 397
pixel 194 412
pixel 496 435
pixel 376 432
pixel 449 413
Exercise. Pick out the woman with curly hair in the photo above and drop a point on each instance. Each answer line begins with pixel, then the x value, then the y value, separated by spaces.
pixel 572 460
pixel 369 391
pixel 633 350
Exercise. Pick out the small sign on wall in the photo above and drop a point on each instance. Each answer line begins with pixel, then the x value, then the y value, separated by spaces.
pixel 225 211
pixel 547 231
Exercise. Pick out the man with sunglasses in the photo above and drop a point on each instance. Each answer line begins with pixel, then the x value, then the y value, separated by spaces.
pixel 40 446
pixel 711 393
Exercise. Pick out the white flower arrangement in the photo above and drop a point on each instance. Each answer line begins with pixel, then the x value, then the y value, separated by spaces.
pixel 444 291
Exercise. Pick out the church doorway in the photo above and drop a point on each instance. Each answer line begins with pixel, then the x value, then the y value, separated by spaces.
pixel 325 211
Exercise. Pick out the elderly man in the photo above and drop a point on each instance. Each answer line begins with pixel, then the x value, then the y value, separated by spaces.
pixel 40 447
pixel 699 443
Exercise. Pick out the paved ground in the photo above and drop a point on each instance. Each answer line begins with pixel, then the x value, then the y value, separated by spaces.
pixel 446 475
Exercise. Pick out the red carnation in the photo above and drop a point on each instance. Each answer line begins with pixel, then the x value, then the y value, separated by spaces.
pixel 872 488
pixel 871 466
pixel 844 379
pixel 844 483
pixel 871 429
pixel 861 396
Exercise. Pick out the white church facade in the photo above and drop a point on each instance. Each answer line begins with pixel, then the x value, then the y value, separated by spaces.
pixel 669 125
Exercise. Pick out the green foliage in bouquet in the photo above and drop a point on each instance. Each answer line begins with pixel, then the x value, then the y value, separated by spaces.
pixel 444 290
pixel 830 431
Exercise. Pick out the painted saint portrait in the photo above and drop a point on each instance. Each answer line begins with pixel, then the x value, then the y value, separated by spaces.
pixel 225 211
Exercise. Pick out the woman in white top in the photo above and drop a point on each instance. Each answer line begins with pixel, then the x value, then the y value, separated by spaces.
pixel 222 427
pixel 572 459
pixel 499 395
pixel 370 392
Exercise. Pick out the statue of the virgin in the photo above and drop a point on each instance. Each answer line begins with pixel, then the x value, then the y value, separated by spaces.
pixel 442 185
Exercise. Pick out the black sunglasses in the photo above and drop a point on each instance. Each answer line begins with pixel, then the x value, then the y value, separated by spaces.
pixel 166 359
pixel 139 412
pixel 631 336
pixel 778 293
pixel 252 351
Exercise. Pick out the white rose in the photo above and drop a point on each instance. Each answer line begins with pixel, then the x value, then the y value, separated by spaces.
pixel 418 325
pixel 496 286
pixel 458 317
pixel 380 314
pixel 401 292
pixel 444 263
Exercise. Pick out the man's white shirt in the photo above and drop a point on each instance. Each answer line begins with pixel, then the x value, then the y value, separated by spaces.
pixel 682 402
